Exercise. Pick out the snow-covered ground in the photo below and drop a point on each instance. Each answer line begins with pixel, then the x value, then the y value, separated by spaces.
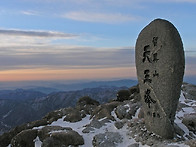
pixel 110 127
pixel 186 110
pixel 88 137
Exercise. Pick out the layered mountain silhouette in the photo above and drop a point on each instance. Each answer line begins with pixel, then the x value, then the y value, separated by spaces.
pixel 21 106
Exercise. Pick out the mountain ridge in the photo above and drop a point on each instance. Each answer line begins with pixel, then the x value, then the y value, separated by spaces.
pixel 118 122
pixel 20 110
pixel 52 86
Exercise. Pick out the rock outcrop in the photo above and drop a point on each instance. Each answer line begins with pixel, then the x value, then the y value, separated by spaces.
pixel 160 67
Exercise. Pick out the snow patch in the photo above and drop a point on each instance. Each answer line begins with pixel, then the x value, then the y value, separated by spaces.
pixel 179 145
pixel 40 127
pixel 114 115
pixel 127 106
pixel 6 115
pixel 126 139
pixel 185 101
pixel 182 98
pixel 37 141
pixel 183 112
pixel 88 137
pixel 137 113
pixel 182 126
pixel 102 119
pixel 77 126
pixel 57 131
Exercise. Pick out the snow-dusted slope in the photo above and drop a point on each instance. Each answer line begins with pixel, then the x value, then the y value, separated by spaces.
pixel 114 124
pixel 124 131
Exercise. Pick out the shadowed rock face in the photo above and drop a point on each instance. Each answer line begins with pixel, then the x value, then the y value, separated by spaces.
pixel 160 69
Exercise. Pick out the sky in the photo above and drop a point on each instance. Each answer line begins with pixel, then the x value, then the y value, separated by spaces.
pixel 84 39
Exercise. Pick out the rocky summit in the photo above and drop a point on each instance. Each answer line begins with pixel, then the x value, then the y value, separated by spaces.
pixel 160 67
pixel 119 122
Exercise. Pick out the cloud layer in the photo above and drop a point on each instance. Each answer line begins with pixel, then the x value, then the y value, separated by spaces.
pixel 47 34
pixel 33 55
pixel 64 57
pixel 24 49
pixel 99 17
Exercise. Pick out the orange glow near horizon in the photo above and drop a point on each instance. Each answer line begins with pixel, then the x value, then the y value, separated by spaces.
pixel 67 74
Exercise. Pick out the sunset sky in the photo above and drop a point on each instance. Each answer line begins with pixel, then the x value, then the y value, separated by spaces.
pixel 84 39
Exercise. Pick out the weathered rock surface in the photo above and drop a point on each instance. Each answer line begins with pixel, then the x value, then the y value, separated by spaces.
pixel 134 145
pixel 86 100
pixel 178 130
pixel 46 131
pixel 86 105
pixel 141 113
pixel 191 142
pixel 189 91
pixel 123 95
pixel 190 122
pixel 24 139
pixel 135 93
pixel 63 138
pixel 107 139
pixel 119 124
pixel 127 110
pixel 73 115
pixel 160 69
pixel 96 124
pixel 130 94
pixel 105 110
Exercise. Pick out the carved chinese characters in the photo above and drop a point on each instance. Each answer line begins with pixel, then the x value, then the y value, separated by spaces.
pixel 160 69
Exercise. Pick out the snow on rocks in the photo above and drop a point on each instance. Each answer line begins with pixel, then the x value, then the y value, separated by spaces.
pixel 103 127
pixel 37 141
pixel 186 116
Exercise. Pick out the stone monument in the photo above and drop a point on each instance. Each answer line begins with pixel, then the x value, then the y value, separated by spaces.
pixel 160 68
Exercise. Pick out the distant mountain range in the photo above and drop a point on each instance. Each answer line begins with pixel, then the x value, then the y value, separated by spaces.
pixel 79 86
pixel 24 105
pixel 20 94
pixel 51 86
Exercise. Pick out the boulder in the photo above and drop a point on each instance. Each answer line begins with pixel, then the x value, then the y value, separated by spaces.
pixel 95 124
pixel 127 110
pixel 160 67
pixel 86 100
pixel 86 105
pixel 190 122
pixel 191 142
pixel 6 138
pixel 64 138
pixel 123 95
pixel 51 142
pixel 54 115
pixel 108 139
pixel 189 91
pixel 119 124
pixel 105 110
pixel 73 115
pixel 134 89
pixel 46 131
pixel 24 139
